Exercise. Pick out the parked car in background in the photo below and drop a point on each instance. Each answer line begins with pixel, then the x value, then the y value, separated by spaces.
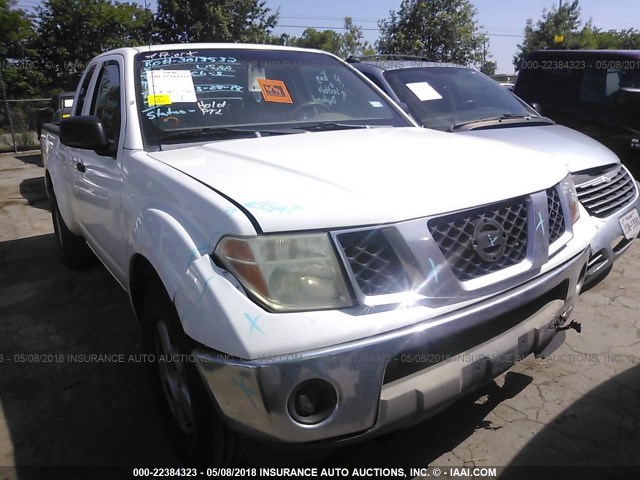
pixel 301 274
pixel 596 92
pixel 464 101
pixel 59 108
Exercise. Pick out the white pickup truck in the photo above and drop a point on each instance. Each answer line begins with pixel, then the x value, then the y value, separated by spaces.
pixel 307 265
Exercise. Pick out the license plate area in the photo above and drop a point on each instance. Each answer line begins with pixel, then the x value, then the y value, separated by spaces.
pixel 630 223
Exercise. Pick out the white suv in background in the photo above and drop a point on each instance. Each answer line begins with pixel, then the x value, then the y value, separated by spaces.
pixel 454 98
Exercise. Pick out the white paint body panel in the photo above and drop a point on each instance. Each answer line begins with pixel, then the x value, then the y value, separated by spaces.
pixel 362 177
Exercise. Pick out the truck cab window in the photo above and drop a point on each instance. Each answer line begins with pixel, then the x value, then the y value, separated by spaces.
pixel 83 90
pixel 106 101
pixel 601 86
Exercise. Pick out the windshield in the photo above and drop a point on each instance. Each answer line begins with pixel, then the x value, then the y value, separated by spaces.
pixel 442 97
pixel 201 92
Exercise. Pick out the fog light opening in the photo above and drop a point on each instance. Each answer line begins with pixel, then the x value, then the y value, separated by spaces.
pixel 580 283
pixel 312 402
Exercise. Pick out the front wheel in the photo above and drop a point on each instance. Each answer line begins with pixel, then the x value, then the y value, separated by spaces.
pixel 194 427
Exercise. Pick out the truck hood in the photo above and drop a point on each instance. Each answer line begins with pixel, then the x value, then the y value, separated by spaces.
pixel 577 150
pixel 359 177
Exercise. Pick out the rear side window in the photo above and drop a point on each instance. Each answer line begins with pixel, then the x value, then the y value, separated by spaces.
pixel 106 101
pixel 83 90
pixel 538 84
pixel 603 85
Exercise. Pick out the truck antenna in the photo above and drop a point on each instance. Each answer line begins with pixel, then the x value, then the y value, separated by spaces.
pixel 146 7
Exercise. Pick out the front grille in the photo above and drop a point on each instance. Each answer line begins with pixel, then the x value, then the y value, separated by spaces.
pixel 454 235
pixel 556 217
pixel 375 265
pixel 605 198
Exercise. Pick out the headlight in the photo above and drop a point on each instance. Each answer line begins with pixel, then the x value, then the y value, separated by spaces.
pixel 569 190
pixel 287 272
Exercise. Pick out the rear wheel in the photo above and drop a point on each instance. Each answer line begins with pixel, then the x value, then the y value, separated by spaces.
pixel 74 251
pixel 196 430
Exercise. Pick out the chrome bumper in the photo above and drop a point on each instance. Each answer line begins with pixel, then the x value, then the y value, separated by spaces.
pixel 395 379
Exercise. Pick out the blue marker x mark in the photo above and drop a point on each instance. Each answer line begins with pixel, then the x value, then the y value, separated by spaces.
pixel 540 223
pixel 254 323
pixel 492 240
pixel 434 271
pixel 247 391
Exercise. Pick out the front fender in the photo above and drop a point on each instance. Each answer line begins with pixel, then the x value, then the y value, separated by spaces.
pixel 184 266
pixel 165 243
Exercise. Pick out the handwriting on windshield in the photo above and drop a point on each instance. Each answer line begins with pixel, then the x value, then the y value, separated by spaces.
pixel 212 107
pixel 160 112
pixel 218 87
pixel 330 89
pixel 215 83
pixel 177 60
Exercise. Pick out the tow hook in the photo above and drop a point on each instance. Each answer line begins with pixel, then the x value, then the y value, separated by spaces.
pixel 558 338
pixel 573 325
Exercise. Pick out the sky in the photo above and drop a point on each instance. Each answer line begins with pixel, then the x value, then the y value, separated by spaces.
pixel 503 20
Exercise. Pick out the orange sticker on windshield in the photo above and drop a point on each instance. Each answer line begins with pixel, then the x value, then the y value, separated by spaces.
pixel 274 91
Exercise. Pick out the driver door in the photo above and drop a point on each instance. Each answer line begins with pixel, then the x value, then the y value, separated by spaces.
pixel 98 185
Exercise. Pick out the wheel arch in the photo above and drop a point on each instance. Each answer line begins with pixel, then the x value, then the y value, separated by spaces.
pixel 141 273
pixel 161 248
pixel 48 185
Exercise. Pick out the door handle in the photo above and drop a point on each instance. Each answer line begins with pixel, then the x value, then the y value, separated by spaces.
pixel 80 167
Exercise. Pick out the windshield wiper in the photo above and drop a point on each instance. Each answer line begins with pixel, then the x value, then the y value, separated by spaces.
pixel 326 126
pixel 499 119
pixel 223 132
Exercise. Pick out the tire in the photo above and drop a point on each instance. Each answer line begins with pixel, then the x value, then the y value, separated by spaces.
pixel 191 419
pixel 74 251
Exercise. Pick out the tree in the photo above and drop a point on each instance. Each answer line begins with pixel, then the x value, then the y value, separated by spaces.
pixel 214 21
pixel 489 68
pixel 628 39
pixel 18 57
pixel 327 40
pixel 349 42
pixel 353 42
pixel 72 32
pixel 563 21
pixel 441 30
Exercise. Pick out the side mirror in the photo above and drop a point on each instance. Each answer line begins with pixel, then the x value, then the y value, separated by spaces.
pixel 536 106
pixel 60 115
pixel 86 132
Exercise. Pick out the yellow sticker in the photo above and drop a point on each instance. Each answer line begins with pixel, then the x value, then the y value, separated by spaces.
pixel 274 91
pixel 159 99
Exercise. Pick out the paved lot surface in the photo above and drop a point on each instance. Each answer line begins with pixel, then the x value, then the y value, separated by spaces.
pixel 579 407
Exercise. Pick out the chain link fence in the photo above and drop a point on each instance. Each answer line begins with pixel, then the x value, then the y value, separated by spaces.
pixel 19 121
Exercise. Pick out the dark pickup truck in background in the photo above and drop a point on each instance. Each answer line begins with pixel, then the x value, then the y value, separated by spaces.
pixel 596 92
